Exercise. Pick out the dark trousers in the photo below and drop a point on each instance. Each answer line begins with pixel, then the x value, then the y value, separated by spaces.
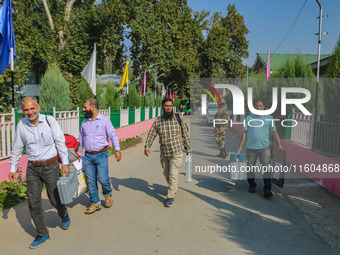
pixel 35 176
pixel 264 156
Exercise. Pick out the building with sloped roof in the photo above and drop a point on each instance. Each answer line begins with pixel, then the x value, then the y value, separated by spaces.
pixel 278 59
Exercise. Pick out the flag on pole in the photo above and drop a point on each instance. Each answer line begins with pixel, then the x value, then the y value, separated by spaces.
pixel 170 94
pixel 163 91
pixel 7 41
pixel 173 95
pixel 125 77
pixel 143 87
pixel 89 73
pixel 268 68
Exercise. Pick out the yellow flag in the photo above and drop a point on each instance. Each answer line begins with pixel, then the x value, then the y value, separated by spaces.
pixel 125 77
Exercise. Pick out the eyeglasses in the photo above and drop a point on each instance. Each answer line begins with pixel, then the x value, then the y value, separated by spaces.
pixel 169 106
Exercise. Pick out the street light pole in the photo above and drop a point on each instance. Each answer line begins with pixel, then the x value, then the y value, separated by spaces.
pixel 247 67
pixel 169 85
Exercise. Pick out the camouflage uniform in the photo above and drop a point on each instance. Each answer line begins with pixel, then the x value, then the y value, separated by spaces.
pixel 220 130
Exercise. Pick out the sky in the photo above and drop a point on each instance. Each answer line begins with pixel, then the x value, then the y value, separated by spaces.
pixel 269 20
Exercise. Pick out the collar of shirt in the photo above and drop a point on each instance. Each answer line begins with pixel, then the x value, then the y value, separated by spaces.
pixel 259 117
pixel 42 118
pixel 98 117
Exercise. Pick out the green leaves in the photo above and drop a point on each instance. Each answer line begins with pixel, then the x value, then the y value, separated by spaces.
pixel 54 90
pixel 225 44
pixel 12 193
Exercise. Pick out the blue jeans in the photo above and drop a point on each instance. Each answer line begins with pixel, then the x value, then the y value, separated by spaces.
pixel 97 166
pixel 264 157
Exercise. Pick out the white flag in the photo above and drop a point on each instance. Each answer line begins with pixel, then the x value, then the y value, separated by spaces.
pixel 163 90
pixel 89 72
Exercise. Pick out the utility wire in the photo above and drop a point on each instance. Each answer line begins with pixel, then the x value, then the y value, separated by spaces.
pixel 291 26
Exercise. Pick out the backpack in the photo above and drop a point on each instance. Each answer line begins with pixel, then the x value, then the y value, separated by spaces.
pixel 74 148
pixel 180 122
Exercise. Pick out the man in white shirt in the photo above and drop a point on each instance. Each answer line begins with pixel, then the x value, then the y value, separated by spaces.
pixel 41 138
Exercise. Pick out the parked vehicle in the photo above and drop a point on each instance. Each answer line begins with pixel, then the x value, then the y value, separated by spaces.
pixel 212 109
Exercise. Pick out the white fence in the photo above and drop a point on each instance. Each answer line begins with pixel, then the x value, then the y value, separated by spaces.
pixel 67 120
pixel 147 113
pixel 137 115
pixel 124 117
pixel 303 132
pixel 7 127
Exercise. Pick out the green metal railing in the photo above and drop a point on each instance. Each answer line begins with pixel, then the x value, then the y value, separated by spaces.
pixel 150 112
pixel 327 138
pixel 142 114
pixel 285 132
pixel 115 118
pixel 131 116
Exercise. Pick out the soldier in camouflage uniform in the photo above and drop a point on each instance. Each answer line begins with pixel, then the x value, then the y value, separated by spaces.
pixel 220 131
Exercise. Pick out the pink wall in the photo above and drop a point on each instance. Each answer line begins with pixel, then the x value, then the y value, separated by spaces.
pixel 123 133
pixel 299 155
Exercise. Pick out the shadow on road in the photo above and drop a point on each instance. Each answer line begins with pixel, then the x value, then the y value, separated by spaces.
pixel 156 191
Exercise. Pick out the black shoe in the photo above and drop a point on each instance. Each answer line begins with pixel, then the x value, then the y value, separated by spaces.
pixel 252 189
pixel 221 155
pixel 268 193
pixel 169 202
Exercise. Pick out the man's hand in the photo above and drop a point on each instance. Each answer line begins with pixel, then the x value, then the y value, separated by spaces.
pixel 118 156
pixel 66 170
pixel 12 177
pixel 147 152
pixel 280 147
pixel 239 150
pixel 189 152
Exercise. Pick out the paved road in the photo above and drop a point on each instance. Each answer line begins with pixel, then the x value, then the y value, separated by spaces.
pixel 211 215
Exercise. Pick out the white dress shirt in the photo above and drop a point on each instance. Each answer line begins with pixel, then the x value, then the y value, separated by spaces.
pixel 40 140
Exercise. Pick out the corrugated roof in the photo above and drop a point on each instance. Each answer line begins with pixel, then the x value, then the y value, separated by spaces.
pixel 278 59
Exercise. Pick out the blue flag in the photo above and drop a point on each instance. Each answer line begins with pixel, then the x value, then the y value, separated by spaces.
pixel 6 35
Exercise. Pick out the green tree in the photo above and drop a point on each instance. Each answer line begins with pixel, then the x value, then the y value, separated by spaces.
pixel 85 91
pixel 225 44
pixel 134 99
pixel 112 98
pixel 159 101
pixel 165 36
pixel 54 90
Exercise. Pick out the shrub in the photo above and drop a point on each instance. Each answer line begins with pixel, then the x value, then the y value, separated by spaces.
pixel 54 90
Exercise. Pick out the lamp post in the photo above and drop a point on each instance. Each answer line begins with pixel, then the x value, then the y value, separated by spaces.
pixel 247 67
pixel 156 77
pixel 169 85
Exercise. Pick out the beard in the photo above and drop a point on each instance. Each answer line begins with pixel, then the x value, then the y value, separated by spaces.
pixel 88 114
pixel 168 115
pixel 33 118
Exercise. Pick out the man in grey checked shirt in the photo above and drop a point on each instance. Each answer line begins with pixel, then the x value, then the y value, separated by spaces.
pixel 173 137
pixel 41 139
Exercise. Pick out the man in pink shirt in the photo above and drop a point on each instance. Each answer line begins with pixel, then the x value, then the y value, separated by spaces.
pixel 95 132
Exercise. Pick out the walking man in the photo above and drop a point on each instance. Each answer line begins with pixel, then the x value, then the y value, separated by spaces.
pixel 173 138
pixel 41 135
pixel 95 133
pixel 256 133
pixel 220 131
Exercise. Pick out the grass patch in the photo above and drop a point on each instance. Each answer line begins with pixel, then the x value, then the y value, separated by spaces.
pixel 123 145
